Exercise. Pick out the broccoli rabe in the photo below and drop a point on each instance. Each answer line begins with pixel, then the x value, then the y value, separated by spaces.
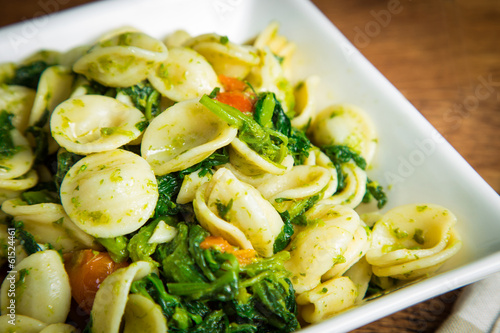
pixel 65 160
pixel 116 247
pixel 145 98
pixel 7 147
pixel 205 290
pixel 268 143
pixel 339 155
pixel 374 190
pixel 29 75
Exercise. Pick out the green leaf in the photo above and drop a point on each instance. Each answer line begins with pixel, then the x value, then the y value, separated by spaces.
pixel 29 75
pixel 116 247
pixel 7 147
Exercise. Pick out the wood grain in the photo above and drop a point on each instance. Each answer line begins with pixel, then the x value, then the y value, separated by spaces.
pixel 443 55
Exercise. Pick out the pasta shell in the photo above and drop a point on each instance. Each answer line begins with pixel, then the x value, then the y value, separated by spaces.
pixel 49 224
pixel 345 125
pixel 183 135
pixel 257 180
pixel 423 266
pixel 269 76
pixel 176 38
pixel 248 162
pixel 327 299
pixel 184 75
pixel 59 328
pixel 317 157
pixel 45 294
pixel 305 102
pixel 250 220
pixel 360 273
pixel 51 57
pixel 26 181
pixel 353 192
pixel 93 123
pixel 53 88
pixel 7 72
pixel 123 60
pixel 163 233
pixel 111 298
pixel 190 185
pixel 277 43
pixel 18 101
pixel 19 163
pixel 408 233
pixel 316 248
pixel 355 251
pixel 23 324
pixel 226 58
pixel 110 194
pixel 303 181
pixel 143 315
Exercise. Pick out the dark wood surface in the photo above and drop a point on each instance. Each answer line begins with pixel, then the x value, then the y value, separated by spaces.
pixel 443 55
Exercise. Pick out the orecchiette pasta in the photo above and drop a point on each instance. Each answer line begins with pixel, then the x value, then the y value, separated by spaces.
pixel 327 299
pixel 321 245
pixel 345 125
pixel 305 102
pixel 173 142
pixel 226 58
pixel 123 60
pixel 95 204
pixel 106 315
pixel 44 293
pixel 355 187
pixel 20 163
pixel 248 162
pixel 250 221
pixel 50 225
pixel 142 314
pixel 22 323
pixel 301 182
pixel 92 124
pixel 184 75
pixel 53 88
pixel 24 182
pixel 410 238
pixel 19 101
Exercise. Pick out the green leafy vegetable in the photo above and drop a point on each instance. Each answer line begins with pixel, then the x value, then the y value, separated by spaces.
pixel 269 113
pixel 374 190
pixel 207 286
pixel 29 75
pixel 41 137
pixel 268 143
pixel 7 147
pixel 65 160
pixel 285 235
pixel 26 239
pixel 145 98
pixel 339 155
pixel 116 247
pixel 37 197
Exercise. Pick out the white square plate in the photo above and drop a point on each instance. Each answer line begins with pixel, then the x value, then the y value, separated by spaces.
pixel 413 158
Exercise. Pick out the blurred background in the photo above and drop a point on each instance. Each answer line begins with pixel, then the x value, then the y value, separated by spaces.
pixel 443 55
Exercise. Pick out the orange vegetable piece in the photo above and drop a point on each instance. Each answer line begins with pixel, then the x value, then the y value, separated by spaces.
pixel 244 257
pixel 86 270
pixel 236 99
pixel 232 83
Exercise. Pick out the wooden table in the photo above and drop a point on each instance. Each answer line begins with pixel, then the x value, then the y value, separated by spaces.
pixel 443 55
